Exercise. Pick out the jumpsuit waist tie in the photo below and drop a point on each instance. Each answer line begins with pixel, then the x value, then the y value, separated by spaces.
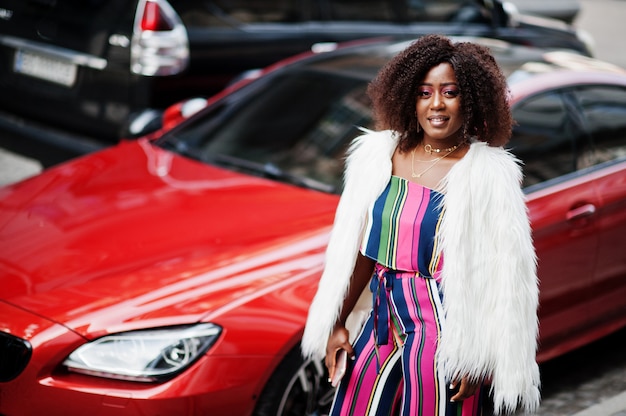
pixel 380 285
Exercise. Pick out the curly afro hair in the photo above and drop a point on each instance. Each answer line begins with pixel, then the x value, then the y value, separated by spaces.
pixel 483 87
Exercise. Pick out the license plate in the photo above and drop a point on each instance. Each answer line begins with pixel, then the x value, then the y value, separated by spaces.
pixel 45 67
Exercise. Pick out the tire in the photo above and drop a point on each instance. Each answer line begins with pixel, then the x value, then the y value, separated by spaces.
pixel 297 388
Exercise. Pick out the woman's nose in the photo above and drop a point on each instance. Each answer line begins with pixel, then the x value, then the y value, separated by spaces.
pixel 437 101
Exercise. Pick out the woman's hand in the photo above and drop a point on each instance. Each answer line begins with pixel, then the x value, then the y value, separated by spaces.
pixel 466 389
pixel 339 340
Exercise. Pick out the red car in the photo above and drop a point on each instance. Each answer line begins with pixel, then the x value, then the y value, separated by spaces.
pixel 172 274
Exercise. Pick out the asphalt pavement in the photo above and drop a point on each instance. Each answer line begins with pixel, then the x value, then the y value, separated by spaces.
pixel 14 167
pixel 601 395
pixel 613 406
pixel 589 381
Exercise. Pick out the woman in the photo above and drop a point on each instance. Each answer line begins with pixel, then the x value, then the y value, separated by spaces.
pixel 433 221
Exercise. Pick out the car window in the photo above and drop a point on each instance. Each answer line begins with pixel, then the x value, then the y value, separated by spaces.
pixel 229 13
pixel 393 10
pixel 364 10
pixel 546 138
pixel 604 110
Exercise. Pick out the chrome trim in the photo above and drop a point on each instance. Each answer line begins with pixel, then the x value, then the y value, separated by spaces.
pixel 77 58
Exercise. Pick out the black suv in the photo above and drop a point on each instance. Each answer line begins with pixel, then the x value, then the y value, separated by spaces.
pixel 86 66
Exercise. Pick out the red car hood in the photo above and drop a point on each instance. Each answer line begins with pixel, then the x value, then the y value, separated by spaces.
pixel 136 236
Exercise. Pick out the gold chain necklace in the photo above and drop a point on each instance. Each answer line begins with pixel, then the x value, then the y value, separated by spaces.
pixel 429 149
pixel 434 161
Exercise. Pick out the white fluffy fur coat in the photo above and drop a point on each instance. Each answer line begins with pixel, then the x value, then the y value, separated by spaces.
pixel 489 282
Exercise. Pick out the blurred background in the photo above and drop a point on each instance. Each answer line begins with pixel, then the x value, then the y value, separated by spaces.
pixel 605 22
pixel 588 382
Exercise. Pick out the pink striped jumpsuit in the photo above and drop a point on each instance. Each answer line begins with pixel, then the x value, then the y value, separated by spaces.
pixel 395 371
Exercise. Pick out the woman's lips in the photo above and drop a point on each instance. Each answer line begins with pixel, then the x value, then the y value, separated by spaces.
pixel 437 121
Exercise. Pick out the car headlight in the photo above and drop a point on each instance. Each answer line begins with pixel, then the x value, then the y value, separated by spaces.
pixel 145 355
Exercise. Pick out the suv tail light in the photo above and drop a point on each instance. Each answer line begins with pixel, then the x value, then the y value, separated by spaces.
pixel 153 18
pixel 160 45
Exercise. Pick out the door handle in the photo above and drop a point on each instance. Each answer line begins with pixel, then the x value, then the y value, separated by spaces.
pixel 582 211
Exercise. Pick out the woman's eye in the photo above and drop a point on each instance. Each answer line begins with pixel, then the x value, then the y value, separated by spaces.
pixel 451 93
pixel 424 93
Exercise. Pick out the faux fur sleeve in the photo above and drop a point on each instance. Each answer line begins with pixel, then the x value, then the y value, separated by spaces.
pixel 489 278
pixel 368 168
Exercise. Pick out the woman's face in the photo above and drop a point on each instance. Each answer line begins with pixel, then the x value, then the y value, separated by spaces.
pixel 438 105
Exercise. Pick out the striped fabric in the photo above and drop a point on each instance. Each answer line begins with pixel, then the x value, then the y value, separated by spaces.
pixel 395 371
pixel 401 228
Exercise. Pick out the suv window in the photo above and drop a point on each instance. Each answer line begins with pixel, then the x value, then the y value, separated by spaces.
pixel 604 110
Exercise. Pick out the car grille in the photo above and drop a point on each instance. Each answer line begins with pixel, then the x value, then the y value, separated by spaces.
pixel 14 356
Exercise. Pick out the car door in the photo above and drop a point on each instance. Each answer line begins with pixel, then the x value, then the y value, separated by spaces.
pixel 604 111
pixel 548 139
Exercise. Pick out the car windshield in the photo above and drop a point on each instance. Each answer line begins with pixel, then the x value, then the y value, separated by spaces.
pixel 294 127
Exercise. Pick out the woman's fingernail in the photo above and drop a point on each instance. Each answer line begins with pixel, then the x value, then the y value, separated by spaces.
pixel 451 385
pixel 329 379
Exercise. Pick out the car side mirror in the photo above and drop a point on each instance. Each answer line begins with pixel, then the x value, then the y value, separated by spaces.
pixel 142 123
pixel 181 111
pixel 150 120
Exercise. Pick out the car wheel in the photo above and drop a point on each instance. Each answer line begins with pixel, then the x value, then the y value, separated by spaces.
pixel 298 387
